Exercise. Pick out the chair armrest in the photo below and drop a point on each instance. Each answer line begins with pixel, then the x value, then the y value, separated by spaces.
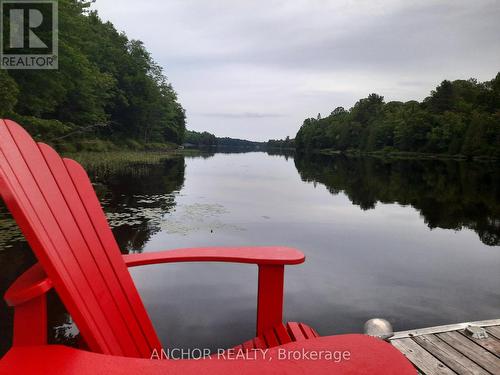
pixel 252 255
pixel 271 262
pixel 31 284
pixel 28 296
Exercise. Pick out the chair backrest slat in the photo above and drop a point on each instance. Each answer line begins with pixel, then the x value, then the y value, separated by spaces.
pixel 56 207
pixel 100 224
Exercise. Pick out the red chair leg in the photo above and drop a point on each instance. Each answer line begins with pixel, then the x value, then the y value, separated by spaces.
pixel 30 322
pixel 270 297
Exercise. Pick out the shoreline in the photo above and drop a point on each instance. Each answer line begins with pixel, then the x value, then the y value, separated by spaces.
pixel 408 155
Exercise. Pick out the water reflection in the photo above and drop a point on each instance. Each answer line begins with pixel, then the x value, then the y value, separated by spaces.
pixel 448 194
pixel 137 199
pixel 286 153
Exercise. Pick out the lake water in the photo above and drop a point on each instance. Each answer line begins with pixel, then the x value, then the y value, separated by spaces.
pixel 415 242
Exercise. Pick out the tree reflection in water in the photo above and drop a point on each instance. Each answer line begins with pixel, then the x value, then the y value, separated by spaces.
pixel 448 194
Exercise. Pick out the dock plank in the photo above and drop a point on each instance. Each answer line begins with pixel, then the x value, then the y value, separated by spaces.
pixel 495 331
pixel 444 328
pixel 470 349
pixel 491 343
pixel 449 356
pixel 422 359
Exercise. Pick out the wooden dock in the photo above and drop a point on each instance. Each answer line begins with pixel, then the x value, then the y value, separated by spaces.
pixel 450 350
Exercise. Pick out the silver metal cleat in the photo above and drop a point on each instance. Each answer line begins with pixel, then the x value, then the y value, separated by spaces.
pixel 476 332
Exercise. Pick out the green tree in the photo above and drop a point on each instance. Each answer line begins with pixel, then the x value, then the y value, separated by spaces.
pixel 459 117
pixel 8 93
pixel 107 86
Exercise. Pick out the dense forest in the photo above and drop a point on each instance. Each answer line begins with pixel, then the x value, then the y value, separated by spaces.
pixel 203 139
pixel 107 88
pixel 457 118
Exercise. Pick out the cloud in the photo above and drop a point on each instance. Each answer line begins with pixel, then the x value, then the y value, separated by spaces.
pixel 242 115
pixel 256 68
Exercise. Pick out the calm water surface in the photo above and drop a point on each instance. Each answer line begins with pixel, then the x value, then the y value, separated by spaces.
pixel 416 242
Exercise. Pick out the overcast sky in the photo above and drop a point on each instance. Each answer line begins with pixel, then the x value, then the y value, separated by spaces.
pixel 255 69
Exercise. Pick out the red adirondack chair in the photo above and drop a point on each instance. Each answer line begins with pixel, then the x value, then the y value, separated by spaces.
pixel 54 204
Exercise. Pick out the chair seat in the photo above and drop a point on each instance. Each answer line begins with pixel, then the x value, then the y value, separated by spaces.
pixel 279 335
pixel 367 356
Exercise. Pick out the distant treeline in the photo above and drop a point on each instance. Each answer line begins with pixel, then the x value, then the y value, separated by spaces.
pixel 457 118
pixel 286 143
pixel 107 88
pixel 201 139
